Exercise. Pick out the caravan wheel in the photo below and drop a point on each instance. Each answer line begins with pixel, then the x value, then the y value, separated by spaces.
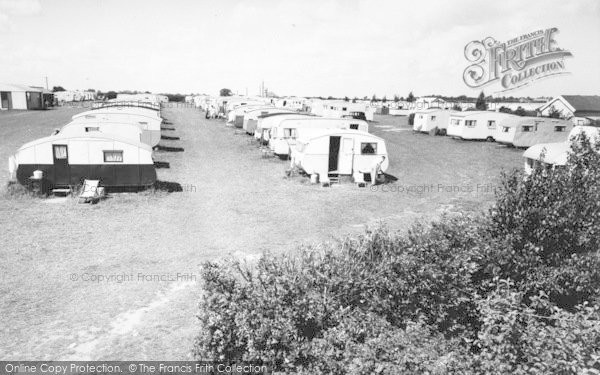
pixel 489 139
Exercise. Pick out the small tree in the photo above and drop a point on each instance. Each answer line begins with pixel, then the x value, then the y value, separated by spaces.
pixel 58 89
pixel 346 99
pixel 456 107
pixel 225 92
pixel 396 98
pixel 480 104
pixel 554 113
pixel 520 111
pixel 504 109
pixel 374 98
pixel 410 98
pixel 384 99
pixel 354 100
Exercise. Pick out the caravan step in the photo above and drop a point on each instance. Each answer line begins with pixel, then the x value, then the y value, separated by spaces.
pixel 65 191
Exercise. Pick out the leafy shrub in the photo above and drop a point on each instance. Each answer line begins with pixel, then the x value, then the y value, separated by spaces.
pixel 515 339
pixel 364 343
pixel 551 221
pixel 428 301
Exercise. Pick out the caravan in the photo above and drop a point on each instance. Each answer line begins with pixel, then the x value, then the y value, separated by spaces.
pixel 552 155
pixel 476 125
pixel 432 121
pixel 121 129
pixel 340 153
pixel 266 122
pixel 67 160
pixel 250 120
pixel 150 125
pixel 283 135
pixel 529 131
pixel 235 117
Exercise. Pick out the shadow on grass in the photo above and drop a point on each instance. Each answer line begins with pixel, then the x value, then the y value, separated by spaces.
pixel 161 164
pixel 168 129
pixel 169 138
pixel 167 186
pixel 169 149
pixel 387 179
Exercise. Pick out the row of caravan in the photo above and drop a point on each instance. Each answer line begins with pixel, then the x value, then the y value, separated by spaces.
pixel 323 147
pixel 501 127
pixel 110 143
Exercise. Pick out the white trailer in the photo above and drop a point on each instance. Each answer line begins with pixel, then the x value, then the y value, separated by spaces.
pixel 529 131
pixel 551 155
pixel 339 153
pixel 475 125
pixel 283 136
pixel 432 121
pixel 148 123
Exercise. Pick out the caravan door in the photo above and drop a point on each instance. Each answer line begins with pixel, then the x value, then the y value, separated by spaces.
pixel 346 160
pixel 62 173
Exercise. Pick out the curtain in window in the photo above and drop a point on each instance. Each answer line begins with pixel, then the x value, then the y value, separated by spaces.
pixel 113 156
pixel 60 152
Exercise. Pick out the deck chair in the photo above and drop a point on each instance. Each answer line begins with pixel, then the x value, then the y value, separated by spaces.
pixel 89 193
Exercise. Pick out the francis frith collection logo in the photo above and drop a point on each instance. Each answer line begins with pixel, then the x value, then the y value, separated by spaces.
pixel 516 62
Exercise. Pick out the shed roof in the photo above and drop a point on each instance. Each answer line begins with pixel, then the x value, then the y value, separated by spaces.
pixel 19 88
pixel 584 102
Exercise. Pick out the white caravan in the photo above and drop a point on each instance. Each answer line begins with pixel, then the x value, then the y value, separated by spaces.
pixel 148 124
pixel 529 131
pixel 250 120
pixel 124 130
pixel 340 152
pixel 555 154
pixel 283 136
pixel 266 122
pixel 475 125
pixel 432 121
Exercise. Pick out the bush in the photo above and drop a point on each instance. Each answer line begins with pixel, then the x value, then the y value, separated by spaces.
pixel 551 221
pixel 515 339
pixel 428 301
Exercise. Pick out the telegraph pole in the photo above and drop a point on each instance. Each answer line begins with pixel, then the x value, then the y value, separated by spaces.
pixel 46 82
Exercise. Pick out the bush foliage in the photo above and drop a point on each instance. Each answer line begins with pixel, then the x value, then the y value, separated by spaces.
pixel 514 290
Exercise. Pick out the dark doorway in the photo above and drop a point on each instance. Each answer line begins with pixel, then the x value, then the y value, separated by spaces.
pixel 334 153
pixel 6 99
pixel 62 175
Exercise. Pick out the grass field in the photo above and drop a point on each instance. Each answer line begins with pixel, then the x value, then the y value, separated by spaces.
pixel 234 203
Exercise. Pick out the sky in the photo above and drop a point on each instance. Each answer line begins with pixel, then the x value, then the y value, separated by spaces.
pixel 303 48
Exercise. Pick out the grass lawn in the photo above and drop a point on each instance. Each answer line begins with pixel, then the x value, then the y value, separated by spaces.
pixel 234 203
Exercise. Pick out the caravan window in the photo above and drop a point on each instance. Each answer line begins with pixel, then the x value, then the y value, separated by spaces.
pixel 289 133
pixel 560 128
pixel 454 122
pixel 432 118
pixel 92 129
pixel 470 123
pixel 527 128
pixel 368 148
pixel 344 109
pixel 491 123
pixel 113 156
pixel 354 126
pixel 505 129
pixel 60 151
